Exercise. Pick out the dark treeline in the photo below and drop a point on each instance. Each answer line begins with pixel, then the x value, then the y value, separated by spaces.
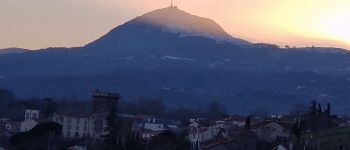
pixel 14 108
pixel 157 108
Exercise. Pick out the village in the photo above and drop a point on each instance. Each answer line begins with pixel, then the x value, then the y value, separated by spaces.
pixel 103 127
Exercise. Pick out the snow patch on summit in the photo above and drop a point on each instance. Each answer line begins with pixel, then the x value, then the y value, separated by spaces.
pixel 174 20
pixel 186 31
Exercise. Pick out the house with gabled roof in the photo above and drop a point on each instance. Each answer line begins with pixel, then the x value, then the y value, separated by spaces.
pixel 271 131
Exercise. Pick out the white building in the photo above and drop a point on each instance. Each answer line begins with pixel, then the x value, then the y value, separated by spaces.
pixel 157 125
pixel 31 118
pixel 199 134
pixel 75 126
pixel 9 127
pixel 28 124
pixel 31 114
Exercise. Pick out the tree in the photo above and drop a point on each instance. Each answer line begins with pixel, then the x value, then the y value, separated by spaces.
pixel 298 127
pixel 5 98
pixel 248 124
pixel 50 107
pixel 168 140
pixel 298 109
pixel 43 136
pixel 111 138
pixel 215 109
pixel 260 113
pixel 6 95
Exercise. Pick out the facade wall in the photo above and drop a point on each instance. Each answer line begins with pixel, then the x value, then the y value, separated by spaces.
pixel 31 114
pixel 9 128
pixel 198 135
pixel 104 102
pixel 271 131
pixel 154 126
pixel 27 125
pixel 75 127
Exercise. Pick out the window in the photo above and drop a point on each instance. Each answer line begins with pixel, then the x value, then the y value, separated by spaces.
pixel 77 127
pixel 69 120
pixel 68 127
pixel 78 120
pixel 68 134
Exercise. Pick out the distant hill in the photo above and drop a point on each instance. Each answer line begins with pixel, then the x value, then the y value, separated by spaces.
pixel 186 60
pixel 12 51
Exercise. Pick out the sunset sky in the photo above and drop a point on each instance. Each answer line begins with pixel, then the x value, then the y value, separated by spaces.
pixel 37 24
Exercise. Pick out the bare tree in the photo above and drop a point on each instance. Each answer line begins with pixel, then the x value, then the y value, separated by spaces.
pixel 260 113
pixel 215 109
pixel 298 109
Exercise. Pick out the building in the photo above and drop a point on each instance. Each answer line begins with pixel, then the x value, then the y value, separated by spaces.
pixel 89 124
pixel 75 125
pixel 247 139
pixel 205 136
pixel 219 142
pixel 104 102
pixel 31 114
pixel 271 131
pixel 238 121
pixel 159 125
pixel 28 124
pixel 9 127
pixel 146 127
pixel 31 119
pixel 280 147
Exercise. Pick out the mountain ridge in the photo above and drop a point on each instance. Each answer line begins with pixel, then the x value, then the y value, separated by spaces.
pixel 141 60
pixel 12 50
pixel 164 21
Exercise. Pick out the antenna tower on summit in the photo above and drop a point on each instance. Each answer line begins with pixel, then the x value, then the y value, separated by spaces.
pixel 172 3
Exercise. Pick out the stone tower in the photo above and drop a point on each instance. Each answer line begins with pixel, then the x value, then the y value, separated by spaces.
pixel 104 102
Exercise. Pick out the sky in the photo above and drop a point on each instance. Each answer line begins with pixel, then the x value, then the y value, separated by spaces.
pixel 36 24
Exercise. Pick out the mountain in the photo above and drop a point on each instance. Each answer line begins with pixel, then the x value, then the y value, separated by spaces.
pixel 168 24
pixel 186 60
pixel 12 51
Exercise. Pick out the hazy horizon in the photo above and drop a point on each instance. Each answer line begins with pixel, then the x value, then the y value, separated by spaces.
pixel 39 24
